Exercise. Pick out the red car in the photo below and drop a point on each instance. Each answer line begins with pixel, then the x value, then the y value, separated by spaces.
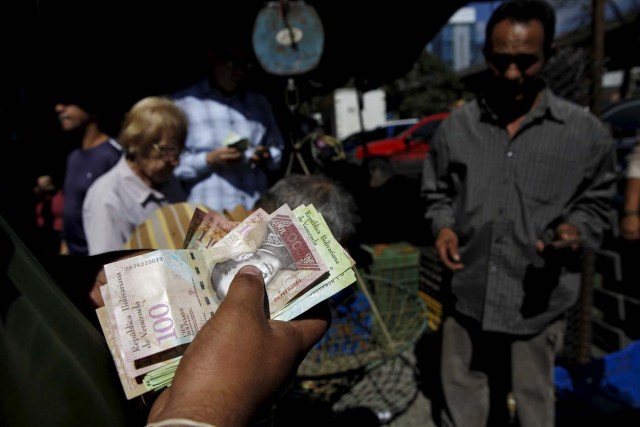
pixel 405 153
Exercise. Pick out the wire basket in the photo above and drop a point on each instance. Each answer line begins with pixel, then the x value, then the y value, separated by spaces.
pixel 374 320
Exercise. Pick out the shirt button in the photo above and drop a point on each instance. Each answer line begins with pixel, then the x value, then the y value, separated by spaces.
pixel 509 153
pixel 492 268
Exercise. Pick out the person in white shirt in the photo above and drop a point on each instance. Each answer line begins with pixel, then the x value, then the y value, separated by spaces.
pixel 152 137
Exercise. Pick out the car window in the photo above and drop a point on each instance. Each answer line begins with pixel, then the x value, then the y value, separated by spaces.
pixel 426 131
pixel 395 130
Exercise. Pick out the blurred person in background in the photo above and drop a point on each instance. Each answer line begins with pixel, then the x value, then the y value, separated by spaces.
pixel 49 214
pixel 517 183
pixel 152 137
pixel 327 195
pixel 233 136
pixel 630 222
pixel 79 110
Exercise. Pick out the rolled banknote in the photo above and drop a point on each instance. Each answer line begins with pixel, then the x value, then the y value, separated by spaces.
pixel 158 301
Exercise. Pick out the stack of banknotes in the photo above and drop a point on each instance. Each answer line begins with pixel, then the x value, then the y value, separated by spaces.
pixel 155 303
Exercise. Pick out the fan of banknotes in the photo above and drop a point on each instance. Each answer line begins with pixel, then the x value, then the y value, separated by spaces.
pixel 157 302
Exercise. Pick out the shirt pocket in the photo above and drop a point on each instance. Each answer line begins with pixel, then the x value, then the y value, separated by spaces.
pixel 546 178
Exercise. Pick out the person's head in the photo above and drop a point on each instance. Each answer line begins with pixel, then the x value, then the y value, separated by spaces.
pixel 519 41
pixel 80 102
pixel 229 66
pixel 72 117
pixel 328 197
pixel 223 273
pixel 152 136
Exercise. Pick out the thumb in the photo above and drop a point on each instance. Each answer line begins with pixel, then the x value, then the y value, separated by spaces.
pixel 247 294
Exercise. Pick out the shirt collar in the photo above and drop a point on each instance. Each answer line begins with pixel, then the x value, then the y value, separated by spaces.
pixel 137 189
pixel 550 107
pixel 547 107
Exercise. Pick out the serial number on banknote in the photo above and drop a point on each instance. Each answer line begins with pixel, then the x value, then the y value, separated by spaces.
pixel 142 264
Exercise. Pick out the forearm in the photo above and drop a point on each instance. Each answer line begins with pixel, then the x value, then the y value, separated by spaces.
pixel 630 223
pixel 209 409
pixel 592 211
pixel 193 165
pixel 632 195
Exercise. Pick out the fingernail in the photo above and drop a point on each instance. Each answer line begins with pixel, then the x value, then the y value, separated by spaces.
pixel 250 269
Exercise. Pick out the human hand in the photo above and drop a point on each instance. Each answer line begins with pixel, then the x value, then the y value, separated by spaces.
pixel 223 156
pixel 260 155
pixel 630 227
pixel 44 185
pixel 447 248
pixel 240 359
pixel 566 236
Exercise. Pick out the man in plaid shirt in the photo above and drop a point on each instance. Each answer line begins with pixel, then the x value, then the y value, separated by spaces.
pixel 233 136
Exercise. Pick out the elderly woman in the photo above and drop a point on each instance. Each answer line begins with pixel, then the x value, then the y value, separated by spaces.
pixel 152 137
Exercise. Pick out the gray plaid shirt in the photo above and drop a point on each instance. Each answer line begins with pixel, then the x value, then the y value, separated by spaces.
pixel 501 195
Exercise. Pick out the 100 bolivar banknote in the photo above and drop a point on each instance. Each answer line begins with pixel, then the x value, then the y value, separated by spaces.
pixel 157 302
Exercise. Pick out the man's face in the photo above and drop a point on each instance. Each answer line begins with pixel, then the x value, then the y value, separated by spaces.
pixel 268 263
pixel 516 59
pixel 229 68
pixel 71 117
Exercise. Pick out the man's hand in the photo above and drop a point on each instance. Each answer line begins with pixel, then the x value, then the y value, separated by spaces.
pixel 567 235
pixel 261 155
pixel 44 185
pixel 240 359
pixel 447 247
pixel 223 156
pixel 630 227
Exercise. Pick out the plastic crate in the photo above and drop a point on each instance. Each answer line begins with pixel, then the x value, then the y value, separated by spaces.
pixel 396 262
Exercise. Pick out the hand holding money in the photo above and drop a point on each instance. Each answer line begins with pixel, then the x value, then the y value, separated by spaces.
pixel 222 378
pixel 156 303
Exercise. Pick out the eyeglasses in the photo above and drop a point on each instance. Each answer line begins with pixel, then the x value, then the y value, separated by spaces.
pixel 168 152
pixel 502 61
